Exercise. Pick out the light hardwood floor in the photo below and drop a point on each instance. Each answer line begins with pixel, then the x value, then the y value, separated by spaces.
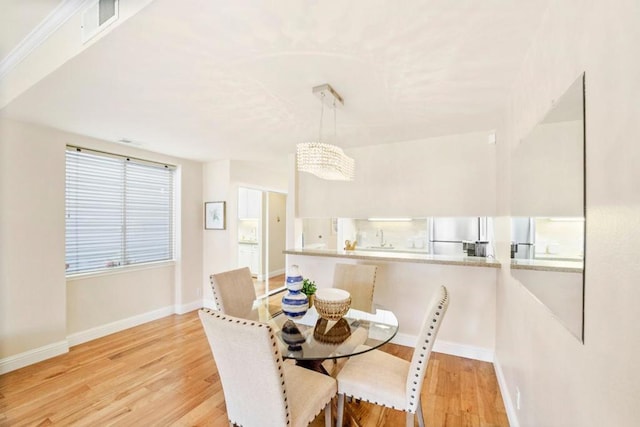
pixel 275 282
pixel 163 373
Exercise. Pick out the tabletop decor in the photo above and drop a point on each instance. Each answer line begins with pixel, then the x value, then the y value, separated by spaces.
pixel 294 303
pixel 332 303
pixel 337 333
pixel 309 288
pixel 292 336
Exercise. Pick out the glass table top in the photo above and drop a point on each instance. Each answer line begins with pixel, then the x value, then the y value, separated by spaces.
pixel 313 338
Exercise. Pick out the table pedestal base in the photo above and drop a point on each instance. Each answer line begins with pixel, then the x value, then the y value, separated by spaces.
pixel 314 365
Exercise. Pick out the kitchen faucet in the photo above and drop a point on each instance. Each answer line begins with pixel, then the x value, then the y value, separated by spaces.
pixel 381 234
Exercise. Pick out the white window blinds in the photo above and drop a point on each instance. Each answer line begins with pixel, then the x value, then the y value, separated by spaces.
pixel 119 211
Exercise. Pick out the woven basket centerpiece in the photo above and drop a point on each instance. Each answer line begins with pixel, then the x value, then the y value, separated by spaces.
pixel 332 303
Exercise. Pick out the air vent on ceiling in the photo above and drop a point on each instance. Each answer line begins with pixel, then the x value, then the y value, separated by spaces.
pixel 97 16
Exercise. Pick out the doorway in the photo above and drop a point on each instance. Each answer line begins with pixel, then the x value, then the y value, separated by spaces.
pixel 262 237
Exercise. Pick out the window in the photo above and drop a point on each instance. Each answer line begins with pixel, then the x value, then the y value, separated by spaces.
pixel 119 211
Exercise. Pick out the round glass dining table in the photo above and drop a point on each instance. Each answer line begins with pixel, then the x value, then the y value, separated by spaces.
pixel 311 339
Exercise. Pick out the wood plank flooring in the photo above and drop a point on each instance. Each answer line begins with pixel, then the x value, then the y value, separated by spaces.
pixel 274 283
pixel 163 373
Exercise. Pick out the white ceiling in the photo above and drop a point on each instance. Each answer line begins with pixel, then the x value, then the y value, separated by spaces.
pixel 210 80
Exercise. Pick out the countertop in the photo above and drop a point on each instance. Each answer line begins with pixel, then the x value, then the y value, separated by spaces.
pixel 548 265
pixel 368 254
pixel 247 242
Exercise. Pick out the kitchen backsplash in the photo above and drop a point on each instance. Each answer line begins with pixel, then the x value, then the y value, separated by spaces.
pixel 248 230
pixel 412 234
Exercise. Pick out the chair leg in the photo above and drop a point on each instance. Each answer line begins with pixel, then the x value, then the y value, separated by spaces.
pixel 340 411
pixel 420 414
pixel 410 419
pixel 327 415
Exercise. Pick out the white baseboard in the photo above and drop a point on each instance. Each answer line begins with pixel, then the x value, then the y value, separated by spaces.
pixel 117 326
pixel 275 273
pixel 506 396
pixel 446 347
pixel 209 303
pixel 463 350
pixel 185 308
pixel 30 357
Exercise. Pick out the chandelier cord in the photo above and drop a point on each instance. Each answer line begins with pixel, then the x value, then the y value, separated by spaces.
pixel 335 131
pixel 321 116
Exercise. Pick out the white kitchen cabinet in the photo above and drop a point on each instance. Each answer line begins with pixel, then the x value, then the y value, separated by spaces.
pixel 249 256
pixel 255 260
pixel 249 203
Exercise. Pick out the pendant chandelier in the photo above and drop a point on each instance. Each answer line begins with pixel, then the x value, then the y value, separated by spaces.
pixel 324 160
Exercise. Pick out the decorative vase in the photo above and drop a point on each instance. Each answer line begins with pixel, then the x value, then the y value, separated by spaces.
pixel 294 303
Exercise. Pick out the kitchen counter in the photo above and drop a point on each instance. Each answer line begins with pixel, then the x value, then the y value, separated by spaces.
pixel 548 265
pixel 392 250
pixel 396 255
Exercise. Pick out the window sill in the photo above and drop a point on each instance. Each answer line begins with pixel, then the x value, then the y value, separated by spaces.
pixel 119 270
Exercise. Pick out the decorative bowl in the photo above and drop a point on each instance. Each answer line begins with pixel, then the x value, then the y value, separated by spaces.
pixel 332 303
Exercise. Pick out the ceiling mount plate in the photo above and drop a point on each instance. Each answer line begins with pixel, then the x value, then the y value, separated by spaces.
pixel 328 95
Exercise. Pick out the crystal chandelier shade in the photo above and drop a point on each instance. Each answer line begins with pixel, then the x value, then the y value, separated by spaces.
pixel 324 160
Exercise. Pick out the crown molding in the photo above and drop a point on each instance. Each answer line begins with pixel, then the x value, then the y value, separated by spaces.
pixel 54 20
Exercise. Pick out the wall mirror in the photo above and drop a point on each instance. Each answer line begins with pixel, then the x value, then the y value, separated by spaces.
pixel 548 209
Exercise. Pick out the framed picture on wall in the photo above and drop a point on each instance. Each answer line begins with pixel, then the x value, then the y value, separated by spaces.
pixel 214 216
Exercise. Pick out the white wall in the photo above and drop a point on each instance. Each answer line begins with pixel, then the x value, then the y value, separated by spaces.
pixel 39 308
pixel 445 176
pixel 99 300
pixel 32 222
pixel 563 382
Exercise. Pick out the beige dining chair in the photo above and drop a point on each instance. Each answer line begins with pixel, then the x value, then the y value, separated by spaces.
pixel 359 280
pixel 234 292
pixel 259 390
pixel 387 380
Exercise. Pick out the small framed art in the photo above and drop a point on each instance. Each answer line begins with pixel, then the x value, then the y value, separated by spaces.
pixel 215 216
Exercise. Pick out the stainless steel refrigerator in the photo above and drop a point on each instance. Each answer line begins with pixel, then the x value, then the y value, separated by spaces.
pixel 449 233
pixel 523 235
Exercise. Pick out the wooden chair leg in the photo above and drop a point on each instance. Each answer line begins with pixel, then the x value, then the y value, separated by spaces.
pixel 327 415
pixel 410 419
pixel 420 414
pixel 340 411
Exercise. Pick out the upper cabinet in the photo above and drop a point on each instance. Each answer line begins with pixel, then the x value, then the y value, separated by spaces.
pixel 249 203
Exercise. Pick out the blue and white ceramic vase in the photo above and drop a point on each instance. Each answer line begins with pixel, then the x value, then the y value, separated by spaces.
pixel 294 303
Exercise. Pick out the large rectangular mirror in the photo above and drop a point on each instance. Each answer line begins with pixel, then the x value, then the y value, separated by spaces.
pixel 548 209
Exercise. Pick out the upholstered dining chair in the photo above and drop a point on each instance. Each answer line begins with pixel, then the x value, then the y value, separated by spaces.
pixel 359 280
pixel 234 293
pixel 259 390
pixel 387 380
